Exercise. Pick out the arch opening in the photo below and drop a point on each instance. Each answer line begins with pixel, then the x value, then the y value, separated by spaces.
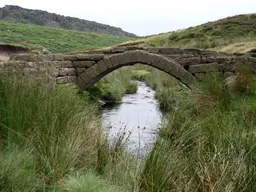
pixel 94 73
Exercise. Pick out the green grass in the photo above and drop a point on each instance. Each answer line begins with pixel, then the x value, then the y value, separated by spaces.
pixel 140 75
pixel 54 131
pixel 54 39
pixel 212 35
pixel 131 88
pixel 52 141
pixel 210 148
pixel 89 182
pixel 113 86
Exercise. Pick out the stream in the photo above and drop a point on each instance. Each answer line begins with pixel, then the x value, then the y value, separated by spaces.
pixel 138 117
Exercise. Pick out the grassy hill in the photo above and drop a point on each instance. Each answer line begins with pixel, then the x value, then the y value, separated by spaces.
pixel 54 39
pixel 30 16
pixel 237 33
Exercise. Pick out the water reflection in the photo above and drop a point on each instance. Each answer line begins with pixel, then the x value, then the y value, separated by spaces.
pixel 138 115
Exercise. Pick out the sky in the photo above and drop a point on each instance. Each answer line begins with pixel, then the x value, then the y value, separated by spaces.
pixel 143 17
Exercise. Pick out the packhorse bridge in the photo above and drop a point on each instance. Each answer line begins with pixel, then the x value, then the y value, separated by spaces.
pixel 85 69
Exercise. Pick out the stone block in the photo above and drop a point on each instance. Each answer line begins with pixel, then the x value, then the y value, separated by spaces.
pixel 57 57
pixel 15 64
pixel 133 48
pixel 99 68
pixel 222 59
pixel 80 82
pixel 210 59
pixel 85 78
pixel 83 57
pixel 114 59
pixel 192 51
pixel 67 72
pixel 62 64
pixel 80 70
pixel 66 79
pixel 209 53
pixel 143 57
pixel 170 51
pixel 189 61
pixel 89 74
pixel 107 62
pixel 211 67
pixel 31 57
pixel 153 50
pixel 118 49
pixel 188 79
pixel 173 69
pixel 36 72
pixel 61 80
pixel 171 56
pixel 83 63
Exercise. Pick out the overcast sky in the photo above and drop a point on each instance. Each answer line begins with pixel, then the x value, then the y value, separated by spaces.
pixel 143 17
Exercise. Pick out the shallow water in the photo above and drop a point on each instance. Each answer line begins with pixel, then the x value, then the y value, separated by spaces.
pixel 137 116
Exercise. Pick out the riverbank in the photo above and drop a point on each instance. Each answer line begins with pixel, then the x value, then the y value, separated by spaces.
pixel 52 141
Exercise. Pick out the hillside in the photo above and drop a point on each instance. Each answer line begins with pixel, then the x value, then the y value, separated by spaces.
pixel 43 18
pixel 237 33
pixel 55 40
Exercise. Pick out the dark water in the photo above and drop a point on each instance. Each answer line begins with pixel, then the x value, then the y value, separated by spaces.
pixel 137 116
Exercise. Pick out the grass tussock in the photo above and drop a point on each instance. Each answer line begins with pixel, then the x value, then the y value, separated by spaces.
pixel 56 128
pixel 243 81
pixel 89 182
pixel 210 93
pixel 210 140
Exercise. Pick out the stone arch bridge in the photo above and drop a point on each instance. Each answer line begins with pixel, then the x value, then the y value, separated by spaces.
pixel 86 68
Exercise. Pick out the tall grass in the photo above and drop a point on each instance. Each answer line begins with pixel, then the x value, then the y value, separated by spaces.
pixel 60 131
pixel 52 141
pixel 213 150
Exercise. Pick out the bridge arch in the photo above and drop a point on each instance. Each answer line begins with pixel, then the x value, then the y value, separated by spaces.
pixel 110 63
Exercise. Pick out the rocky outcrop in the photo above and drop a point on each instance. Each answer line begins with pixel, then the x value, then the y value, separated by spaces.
pixel 43 18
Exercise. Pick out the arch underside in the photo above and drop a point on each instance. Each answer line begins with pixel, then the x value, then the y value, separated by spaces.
pixel 93 74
